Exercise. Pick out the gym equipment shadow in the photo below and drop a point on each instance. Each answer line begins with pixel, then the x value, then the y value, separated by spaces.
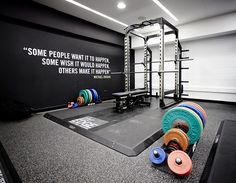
pixel 129 133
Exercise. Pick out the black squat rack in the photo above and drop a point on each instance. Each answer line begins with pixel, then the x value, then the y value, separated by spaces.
pixel 147 60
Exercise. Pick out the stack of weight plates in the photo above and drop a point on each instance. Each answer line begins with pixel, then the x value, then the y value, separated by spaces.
pixel 88 95
pixel 183 126
pixel 192 114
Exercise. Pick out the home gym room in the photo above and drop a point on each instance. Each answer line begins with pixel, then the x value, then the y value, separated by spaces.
pixel 118 91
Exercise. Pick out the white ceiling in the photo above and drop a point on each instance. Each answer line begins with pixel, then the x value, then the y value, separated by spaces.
pixel 185 10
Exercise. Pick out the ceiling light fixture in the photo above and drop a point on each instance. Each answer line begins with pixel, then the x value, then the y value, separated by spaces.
pixel 96 12
pixel 165 10
pixel 121 5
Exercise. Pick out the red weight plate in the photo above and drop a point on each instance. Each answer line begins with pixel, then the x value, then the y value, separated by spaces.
pixel 179 163
pixel 70 105
pixel 188 173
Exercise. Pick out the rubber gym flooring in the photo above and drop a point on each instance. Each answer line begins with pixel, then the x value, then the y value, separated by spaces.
pixel 44 151
pixel 129 132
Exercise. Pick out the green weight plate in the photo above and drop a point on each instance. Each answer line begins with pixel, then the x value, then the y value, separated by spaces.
pixel 187 115
pixel 197 116
pixel 90 95
pixel 84 94
pixel 194 109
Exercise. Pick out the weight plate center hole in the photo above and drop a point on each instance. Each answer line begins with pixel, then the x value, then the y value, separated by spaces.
pixel 156 154
pixel 181 124
pixel 178 161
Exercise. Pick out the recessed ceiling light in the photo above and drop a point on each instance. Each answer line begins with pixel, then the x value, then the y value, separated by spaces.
pixel 165 10
pixel 142 18
pixel 96 12
pixel 121 5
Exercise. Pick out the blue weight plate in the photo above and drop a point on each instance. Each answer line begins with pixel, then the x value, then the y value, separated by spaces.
pixel 196 111
pixel 75 105
pixel 157 155
pixel 94 95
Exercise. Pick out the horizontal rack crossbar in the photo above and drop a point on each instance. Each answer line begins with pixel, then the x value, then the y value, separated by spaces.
pixel 170 71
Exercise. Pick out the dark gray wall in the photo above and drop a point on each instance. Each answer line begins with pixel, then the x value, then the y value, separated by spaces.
pixel 32 12
pixel 24 78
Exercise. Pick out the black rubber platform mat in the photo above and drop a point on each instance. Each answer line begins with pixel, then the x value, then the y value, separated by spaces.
pixel 164 166
pixel 129 133
pixel 220 165
pixel 8 173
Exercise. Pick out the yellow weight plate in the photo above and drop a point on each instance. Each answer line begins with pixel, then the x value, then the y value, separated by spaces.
pixel 199 119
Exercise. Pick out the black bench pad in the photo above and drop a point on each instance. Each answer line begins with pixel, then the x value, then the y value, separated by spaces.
pixel 129 93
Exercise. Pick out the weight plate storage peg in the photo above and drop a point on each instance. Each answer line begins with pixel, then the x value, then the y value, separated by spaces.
pixel 196 110
pixel 180 163
pixel 84 94
pixel 193 121
pixel 157 156
pixel 178 136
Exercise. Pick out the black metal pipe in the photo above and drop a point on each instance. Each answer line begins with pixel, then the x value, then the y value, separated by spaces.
pixel 150 68
pixel 169 92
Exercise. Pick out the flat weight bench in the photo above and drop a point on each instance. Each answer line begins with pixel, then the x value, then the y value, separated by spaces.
pixel 221 163
pixel 129 99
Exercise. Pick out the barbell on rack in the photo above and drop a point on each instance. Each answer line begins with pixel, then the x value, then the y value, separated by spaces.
pixel 158 61
pixel 139 72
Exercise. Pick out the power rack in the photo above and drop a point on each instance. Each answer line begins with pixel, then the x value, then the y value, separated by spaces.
pixel 147 60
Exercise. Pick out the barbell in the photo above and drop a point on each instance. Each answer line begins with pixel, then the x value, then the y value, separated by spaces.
pixel 139 72
pixel 158 61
